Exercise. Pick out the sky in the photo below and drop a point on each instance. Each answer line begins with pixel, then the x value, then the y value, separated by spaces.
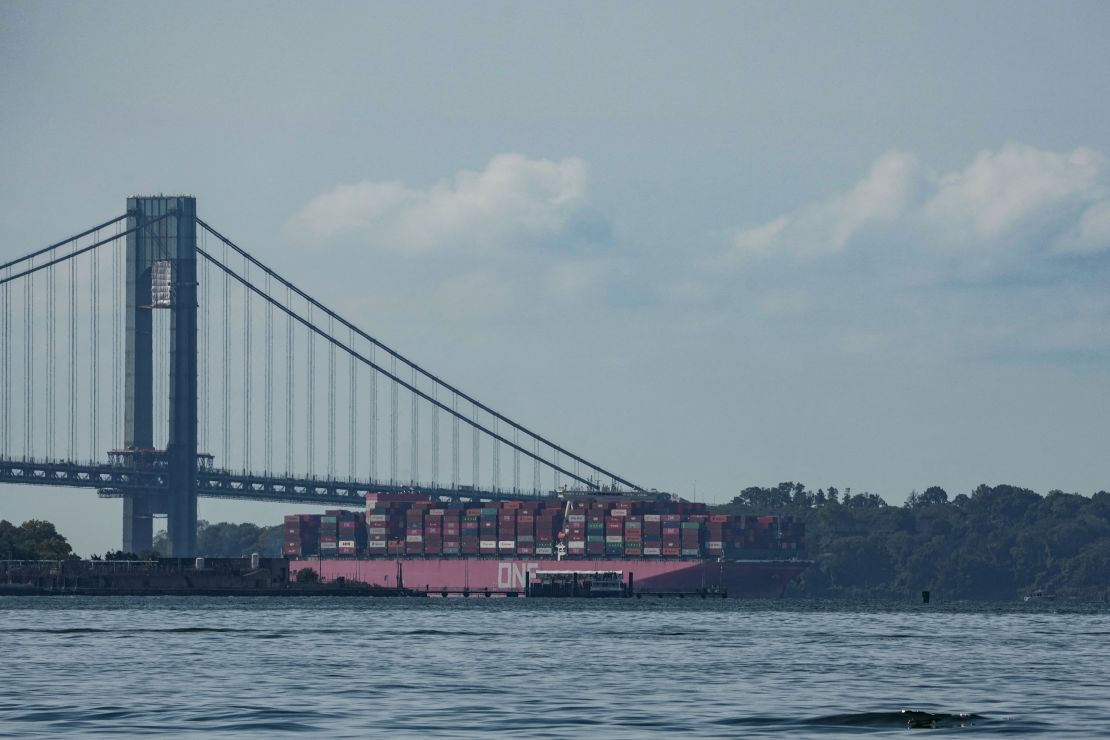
pixel 708 245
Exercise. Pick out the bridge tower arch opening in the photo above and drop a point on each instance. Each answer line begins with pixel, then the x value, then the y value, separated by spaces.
pixel 161 274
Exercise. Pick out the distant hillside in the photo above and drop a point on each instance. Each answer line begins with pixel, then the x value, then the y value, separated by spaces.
pixel 999 542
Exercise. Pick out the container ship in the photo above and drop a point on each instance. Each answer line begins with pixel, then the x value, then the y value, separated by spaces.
pixel 410 541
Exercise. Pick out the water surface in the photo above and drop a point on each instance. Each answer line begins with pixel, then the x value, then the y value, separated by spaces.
pixel 558 668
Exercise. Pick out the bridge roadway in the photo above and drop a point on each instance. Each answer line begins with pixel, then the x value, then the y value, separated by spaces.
pixel 116 481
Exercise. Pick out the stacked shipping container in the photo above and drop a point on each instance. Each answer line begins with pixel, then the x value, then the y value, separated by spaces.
pixel 414 525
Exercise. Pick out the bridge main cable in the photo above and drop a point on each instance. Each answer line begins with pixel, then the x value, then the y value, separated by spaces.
pixel 426 373
pixel 76 252
pixel 392 376
pixel 62 243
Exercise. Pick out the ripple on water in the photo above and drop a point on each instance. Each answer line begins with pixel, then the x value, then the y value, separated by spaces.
pixel 195 666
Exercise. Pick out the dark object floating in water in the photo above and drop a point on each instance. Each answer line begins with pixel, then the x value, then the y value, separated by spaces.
pixel 911 718
pixel 1040 595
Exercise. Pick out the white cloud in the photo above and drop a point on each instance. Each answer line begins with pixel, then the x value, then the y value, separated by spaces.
pixel 1014 198
pixel 827 227
pixel 999 190
pixel 1092 233
pixel 513 200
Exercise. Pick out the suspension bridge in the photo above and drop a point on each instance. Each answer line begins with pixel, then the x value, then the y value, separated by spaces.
pixel 153 359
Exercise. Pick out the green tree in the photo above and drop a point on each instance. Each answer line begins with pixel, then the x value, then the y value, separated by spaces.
pixel 35 539
pixel 229 540
pixel 933 496
pixel 999 542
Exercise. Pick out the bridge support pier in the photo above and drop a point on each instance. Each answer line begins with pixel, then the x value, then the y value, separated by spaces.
pixel 151 247
pixel 138 524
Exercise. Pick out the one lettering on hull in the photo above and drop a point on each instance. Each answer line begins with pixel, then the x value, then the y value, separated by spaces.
pixel 511 575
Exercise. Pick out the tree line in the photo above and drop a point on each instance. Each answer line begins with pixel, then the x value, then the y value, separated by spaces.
pixel 996 542
pixel 229 540
pixel 33 540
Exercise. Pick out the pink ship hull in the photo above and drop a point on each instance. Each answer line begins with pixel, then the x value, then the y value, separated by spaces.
pixel 739 579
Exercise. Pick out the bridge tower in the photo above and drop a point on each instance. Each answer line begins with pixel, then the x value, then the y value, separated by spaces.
pixel 161 274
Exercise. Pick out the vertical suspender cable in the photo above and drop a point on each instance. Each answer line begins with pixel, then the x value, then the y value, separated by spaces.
pixel 516 462
pixel 352 400
pixel 311 393
pixel 474 473
pixel 415 429
pixel 248 350
pixel 5 369
pixel 373 419
pixel 225 358
pixel 289 387
pixel 6 366
pixel 206 348
pixel 555 470
pixel 28 364
pixel 393 477
pixel 117 359
pixel 496 459
pixel 455 442
pixel 72 425
pixel 94 389
pixel 331 400
pixel 269 389
pixel 536 465
pixel 435 438
pixel 50 362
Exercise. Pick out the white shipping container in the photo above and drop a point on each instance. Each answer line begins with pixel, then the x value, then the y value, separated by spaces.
pixel 576 517
pixel 691 551
pixel 380 544
pixel 328 545
pixel 346 543
pixel 415 538
pixel 543 551
pixel 651 517
pixel 715 545
pixel 619 512
pixel 487 543
pixel 437 512
pixel 576 545
pixel 377 531
pixel 506 544
pixel 614 539
pixel 651 551
pixel 378 518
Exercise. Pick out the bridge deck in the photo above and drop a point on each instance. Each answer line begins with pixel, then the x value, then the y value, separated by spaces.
pixel 113 481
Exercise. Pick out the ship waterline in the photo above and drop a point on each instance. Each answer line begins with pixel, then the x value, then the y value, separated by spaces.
pixel 734 578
